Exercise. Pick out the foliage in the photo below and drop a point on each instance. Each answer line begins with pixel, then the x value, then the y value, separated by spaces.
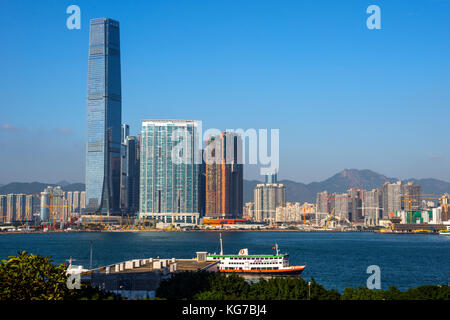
pixel 427 292
pixel 218 286
pixel 183 285
pixel 34 277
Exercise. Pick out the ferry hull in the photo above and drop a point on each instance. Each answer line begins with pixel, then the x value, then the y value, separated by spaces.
pixel 287 271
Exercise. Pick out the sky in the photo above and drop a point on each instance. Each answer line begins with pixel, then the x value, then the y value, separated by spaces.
pixel 341 95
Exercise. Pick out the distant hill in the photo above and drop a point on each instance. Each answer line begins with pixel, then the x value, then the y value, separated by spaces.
pixel 36 187
pixel 295 191
pixel 341 182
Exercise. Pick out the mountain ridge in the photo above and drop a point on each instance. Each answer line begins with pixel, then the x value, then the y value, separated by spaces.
pixel 295 191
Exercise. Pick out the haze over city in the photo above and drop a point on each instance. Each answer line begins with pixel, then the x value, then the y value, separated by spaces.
pixel 341 95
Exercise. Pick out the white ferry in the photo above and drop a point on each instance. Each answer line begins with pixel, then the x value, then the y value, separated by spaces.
pixel 255 264
pixel 445 232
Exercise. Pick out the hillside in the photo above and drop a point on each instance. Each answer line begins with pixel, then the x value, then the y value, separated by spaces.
pixel 342 181
pixel 36 187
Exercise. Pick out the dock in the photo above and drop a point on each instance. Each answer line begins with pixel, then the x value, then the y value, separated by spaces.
pixel 140 278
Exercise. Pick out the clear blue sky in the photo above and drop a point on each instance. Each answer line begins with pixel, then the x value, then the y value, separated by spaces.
pixel 343 96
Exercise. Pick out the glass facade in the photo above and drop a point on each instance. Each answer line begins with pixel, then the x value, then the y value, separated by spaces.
pixel 104 117
pixel 166 185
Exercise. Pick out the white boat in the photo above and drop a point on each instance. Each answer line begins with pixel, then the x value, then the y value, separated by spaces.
pixel 445 232
pixel 75 269
pixel 255 264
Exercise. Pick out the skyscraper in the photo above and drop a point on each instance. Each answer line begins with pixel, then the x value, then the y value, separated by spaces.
pixel 169 187
pixel 104 116
pixel 224 176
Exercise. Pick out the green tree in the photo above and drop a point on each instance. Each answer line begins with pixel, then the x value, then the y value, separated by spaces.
pixel 184 285
pixel 34 277
pixel 31 277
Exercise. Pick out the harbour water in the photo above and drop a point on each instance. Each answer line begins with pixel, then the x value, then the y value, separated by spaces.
pixel 334 259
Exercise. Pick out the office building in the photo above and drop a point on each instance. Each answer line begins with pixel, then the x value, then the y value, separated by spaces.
pixel 224 176
pixel 169 171
pixel 104 116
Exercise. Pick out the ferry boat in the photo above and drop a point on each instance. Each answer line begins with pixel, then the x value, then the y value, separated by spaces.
pixel 277 264
pixel 445 232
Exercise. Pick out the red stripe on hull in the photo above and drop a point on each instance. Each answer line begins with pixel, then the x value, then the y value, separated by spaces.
pixel 291 271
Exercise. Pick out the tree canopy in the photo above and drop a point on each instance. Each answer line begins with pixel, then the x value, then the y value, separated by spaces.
pixel 34 277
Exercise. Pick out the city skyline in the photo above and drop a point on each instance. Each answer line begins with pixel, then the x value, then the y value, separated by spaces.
pixel 381 134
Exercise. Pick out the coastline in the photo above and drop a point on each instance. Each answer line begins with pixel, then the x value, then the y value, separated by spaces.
pixel 208 230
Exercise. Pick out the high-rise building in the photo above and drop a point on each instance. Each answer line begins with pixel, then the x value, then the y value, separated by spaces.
pixel 10 208
pixel 224 176
pixel 104 116
pixel 391 198
pixel 341 206
pixel 129 184
pixel 20 206
pixel 124 133
pixel 52 204
pixel 271 177
pixel 69 198
pixel 76 201
pixel 411 193
pixel 169 171
pixel 372 207
pixel 323 205
pixel 29 203
pixel 355 213
pixel 267 197
pixel 3 208
pixel 82 202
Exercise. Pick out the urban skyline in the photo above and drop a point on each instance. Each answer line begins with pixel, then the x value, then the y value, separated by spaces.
pixel 402 95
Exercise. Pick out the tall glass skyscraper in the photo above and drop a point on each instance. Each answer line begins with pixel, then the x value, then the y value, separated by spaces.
pixel 169 188
pixel 104 117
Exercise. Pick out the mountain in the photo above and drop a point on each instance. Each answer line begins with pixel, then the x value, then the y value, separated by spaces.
pixel 36 187
pixel 63 183
pixel 295 191
pixel 342 181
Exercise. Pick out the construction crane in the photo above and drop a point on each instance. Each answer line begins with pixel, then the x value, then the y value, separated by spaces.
pixel 329 219
pixel 52 207
pixel 410 198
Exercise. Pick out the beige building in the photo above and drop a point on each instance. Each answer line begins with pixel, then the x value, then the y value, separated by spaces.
pixel 267 197
pixel 293 212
